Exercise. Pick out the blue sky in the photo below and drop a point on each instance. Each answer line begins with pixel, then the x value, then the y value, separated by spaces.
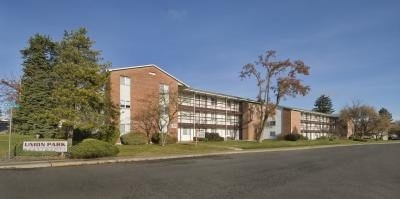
pixel 352 47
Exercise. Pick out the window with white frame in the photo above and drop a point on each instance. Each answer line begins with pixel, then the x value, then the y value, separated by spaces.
pixel 164 102
pixel 123 80
pixel 125 92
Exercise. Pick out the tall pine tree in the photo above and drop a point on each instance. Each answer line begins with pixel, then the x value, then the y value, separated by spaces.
pixel 80 93
pixel 65 82
pixel 323 105
pixel 35 115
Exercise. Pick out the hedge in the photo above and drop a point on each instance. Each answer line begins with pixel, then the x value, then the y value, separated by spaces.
pixel 108 133
pixel 294 137
pixel 156 139
pixel 134 139
pixel 213 137
pixel 92 148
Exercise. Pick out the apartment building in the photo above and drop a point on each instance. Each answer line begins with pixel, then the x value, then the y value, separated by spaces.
pixel 205 111
pixel 294 120
pixel 130 89
pixel 310 124
pixel 201 111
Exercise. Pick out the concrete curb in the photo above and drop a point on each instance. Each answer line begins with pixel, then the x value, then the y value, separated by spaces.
pixel 62 163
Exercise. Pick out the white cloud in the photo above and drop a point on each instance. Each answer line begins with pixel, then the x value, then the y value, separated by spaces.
pixel 176 14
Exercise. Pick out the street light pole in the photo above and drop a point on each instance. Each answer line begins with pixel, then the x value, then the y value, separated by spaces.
pixel 9 134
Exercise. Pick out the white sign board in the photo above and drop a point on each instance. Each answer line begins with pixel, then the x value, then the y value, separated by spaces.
pixel 57 146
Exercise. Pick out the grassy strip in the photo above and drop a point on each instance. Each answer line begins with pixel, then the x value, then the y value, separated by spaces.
pixel 170 149
pixel 15 139
pixel 209 147
pixel 281 143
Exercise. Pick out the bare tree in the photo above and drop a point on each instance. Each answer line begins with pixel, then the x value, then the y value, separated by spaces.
pixel 169 102
pixel 275 80
pixel 160 114
pixel 363 119
pixel 395 127
pixel 147 120
pixel 9 90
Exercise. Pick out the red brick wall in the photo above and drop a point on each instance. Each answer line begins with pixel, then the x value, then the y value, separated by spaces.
pixel 291 121
pixel 143 86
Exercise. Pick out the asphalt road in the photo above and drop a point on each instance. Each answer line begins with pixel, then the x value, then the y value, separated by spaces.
pixel 371 171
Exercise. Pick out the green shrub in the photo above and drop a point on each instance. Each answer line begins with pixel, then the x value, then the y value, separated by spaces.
pixel 330 138
pixel 156 139
pixel 108 133
pixel 81 133
pixel 357 138
pixel 322 138
pixel 200 139
pixel 134 139
pixel 280 137
pixel 92 148
pixel 213 137
pixel 294 137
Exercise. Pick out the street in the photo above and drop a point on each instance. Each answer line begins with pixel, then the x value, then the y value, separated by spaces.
pixel 369 171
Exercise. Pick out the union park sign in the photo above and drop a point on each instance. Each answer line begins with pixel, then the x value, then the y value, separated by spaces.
pixel 57 146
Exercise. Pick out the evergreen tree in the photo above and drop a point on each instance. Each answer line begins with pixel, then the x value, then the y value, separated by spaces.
pixel 81 79
pixel 383 112
pixel 35 115
pixel 323 105
pixel 63 82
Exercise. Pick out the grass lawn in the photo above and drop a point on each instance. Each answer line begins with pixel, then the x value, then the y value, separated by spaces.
pixel 282 143
pixel 209 147
pixel 15 139
pixel 170 149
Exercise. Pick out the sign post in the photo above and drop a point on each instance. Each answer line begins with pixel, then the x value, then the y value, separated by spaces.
pixel 9 134
pixel 11 106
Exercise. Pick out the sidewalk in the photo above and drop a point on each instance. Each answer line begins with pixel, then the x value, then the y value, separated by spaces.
pixel 71 162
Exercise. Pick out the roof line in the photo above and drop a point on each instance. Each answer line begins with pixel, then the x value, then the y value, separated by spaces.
pixel 308 111
pixel 149 65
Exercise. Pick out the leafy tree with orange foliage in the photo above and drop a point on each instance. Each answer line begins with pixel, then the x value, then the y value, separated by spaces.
pixel 275 80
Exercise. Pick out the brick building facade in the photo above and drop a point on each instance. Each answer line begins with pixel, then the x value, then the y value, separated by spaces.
pixel 201 111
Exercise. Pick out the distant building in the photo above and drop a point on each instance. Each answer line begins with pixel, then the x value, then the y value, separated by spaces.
pixel 203 111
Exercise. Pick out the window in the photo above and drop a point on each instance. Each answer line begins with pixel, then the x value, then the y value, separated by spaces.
pixel 164 102
pixel 272 133
pixel 185 131
pixel 164 88
pixel 125 92
pixel 164 95
pixel 271 123
pixel 125 81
